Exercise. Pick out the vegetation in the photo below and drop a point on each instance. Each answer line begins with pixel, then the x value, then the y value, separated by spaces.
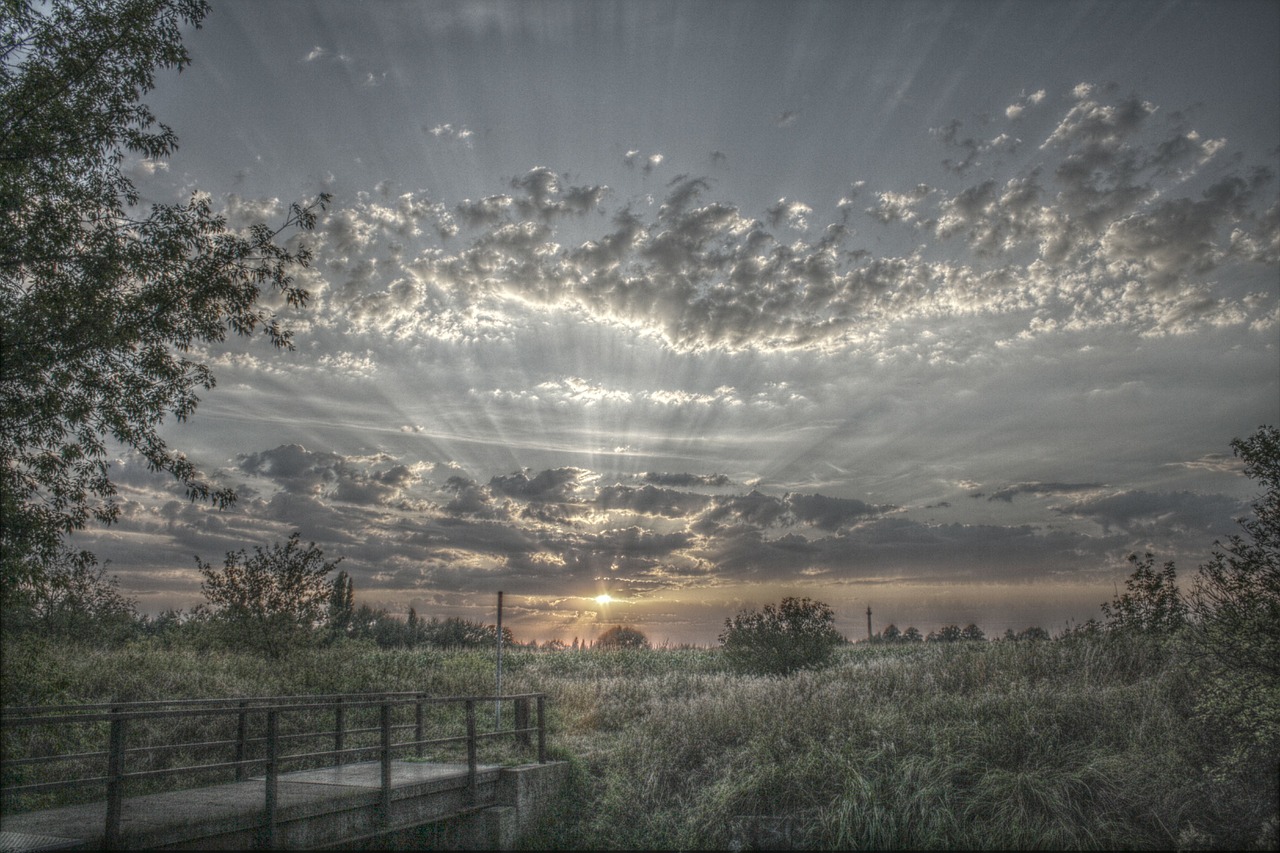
pixel 1154 727
pixel 272 601
pixel 1081 742
pixel 622 637
pixel 1151 602
pixel 101 301
pixel 797 634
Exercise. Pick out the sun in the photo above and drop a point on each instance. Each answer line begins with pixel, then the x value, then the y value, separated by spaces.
pixel 604 599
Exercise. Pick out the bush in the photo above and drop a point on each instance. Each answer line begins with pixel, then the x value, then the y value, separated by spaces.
pixel 798 634
pixel 622 637
pixel 272 601
pixel 1151 603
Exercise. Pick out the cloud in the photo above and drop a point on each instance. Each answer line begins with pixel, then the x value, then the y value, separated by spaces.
pixel 447 132
pixel 1147 513
pixel 686 480
pixel 318 53
pixel 557 484
pixel 1017 108
pixel 828 513
pixel 647 163
pixel 1007 493
pixel 651 500
pixel 1095 227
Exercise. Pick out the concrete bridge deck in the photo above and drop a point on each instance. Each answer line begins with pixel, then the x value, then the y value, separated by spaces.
pixel 432 805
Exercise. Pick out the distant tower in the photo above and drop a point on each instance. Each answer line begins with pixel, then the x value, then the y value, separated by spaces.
pixel 869 635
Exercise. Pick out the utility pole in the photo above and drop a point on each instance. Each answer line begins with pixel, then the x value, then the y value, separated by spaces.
pixel 869 634
pixel 497 702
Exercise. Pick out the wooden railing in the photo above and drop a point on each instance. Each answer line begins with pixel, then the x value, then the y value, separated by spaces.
pixel 147 731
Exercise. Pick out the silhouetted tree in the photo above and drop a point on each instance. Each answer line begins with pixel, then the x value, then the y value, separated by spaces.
pixel 622 637
pixel 890 634
pixel 945 634
pixel 972 632
pixel 912 635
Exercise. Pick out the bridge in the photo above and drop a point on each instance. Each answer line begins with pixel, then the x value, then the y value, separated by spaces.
pixel 337 771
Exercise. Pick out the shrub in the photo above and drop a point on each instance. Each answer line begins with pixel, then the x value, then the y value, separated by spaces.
pixel 1151 602
pixel 273 600
pixel 622 637
pixel 797 634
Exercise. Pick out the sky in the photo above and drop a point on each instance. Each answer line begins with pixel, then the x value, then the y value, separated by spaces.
pixel 940 309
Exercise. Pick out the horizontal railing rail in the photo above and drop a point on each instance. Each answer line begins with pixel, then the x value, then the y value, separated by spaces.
pixel 135 731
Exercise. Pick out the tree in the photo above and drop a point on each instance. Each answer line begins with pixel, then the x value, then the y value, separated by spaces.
pixel 1151 602
pixel 945 634
pixel 912 635
pixel 797 634
pixel 273 600
pixel 972 632
pixel 74 600
pixel 456 632
pixel 342 606
pixel 890 634
pixel 622 637
pixel 101 301
pixel 1236 594
pixel 1236 633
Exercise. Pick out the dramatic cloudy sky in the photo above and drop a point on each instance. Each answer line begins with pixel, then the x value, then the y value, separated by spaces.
pixel 937 308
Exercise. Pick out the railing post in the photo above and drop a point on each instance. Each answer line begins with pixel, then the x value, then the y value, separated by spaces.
pixel 273 772
pixel 242 739
pixel 522 721
pixel 418 727
pixel 339 732
pixel 115 779
pixel 472 785
pixel 542 730
pixel 386 764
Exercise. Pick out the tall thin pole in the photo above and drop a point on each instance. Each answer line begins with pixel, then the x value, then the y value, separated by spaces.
pixel 870 636
pixel 497 702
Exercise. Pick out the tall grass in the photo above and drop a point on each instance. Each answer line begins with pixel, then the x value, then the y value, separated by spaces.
pixel 1082 742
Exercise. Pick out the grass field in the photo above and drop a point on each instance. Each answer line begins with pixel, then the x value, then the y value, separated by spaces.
pixel 1081 742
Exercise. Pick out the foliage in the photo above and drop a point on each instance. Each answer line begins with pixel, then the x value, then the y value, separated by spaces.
pixel 622 637
pixel 102 301
pixel 945 634
pixel 1151 602
pixel 1034 632
pixel 1083 742
pixel 797 634
pixel 1236 635
pixel 389 631
pixel 74 599
pixel 272 601
pixel 891 634
pixel 1236 595
pixel 342 605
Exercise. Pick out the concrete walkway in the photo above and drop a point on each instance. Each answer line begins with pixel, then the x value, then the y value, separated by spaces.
pixel 314 808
